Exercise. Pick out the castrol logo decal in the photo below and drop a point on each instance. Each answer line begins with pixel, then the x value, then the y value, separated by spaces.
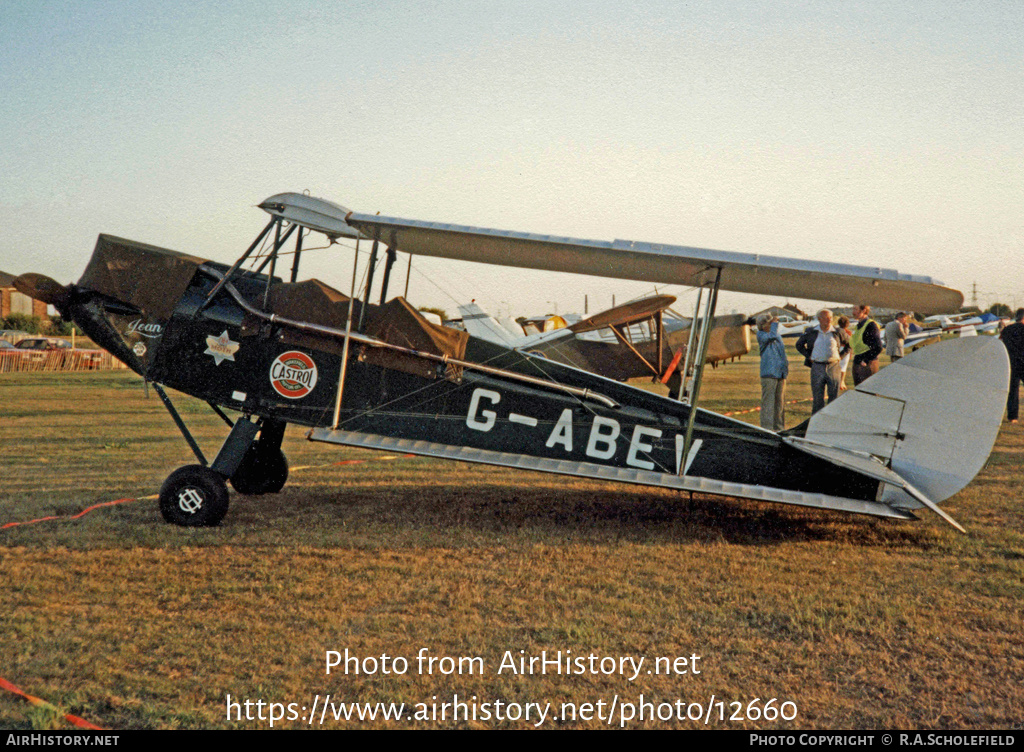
pixel 293 374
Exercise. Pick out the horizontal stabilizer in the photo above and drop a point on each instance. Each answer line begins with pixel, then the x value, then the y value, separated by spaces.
pixel 868 465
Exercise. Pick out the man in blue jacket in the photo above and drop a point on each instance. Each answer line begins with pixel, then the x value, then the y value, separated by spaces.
pixel 774 370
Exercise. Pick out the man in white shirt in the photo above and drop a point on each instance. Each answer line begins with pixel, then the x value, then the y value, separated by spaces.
pixel 822 346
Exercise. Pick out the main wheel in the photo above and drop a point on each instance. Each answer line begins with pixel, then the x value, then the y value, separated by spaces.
pixel 194 496
pixel 261 472
pixel 276 472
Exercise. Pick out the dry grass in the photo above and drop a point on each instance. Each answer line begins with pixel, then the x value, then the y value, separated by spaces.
pixel 129 622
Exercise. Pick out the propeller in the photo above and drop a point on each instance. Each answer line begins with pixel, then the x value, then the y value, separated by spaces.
pixel 43 288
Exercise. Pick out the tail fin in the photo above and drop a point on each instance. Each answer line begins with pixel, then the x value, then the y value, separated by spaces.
pixel 484 326
pixel 932 417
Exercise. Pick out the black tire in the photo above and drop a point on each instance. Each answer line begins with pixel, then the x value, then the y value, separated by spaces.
pixel 261 472
pixel 277 472
pixel 194 496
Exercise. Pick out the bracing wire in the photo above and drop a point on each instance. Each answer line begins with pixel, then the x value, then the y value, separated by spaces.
pixel 535 362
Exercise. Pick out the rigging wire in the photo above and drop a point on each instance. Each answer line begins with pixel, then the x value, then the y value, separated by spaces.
pixel 536 362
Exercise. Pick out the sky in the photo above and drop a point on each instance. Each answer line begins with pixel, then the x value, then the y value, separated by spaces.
pixel 874 133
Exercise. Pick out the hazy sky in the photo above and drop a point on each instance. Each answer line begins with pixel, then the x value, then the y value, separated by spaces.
pixel 877 133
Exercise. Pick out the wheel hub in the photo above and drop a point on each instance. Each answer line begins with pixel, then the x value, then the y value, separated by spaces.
pixel 190 500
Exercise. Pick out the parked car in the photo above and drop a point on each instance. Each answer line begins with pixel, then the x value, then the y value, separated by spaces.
pixel 9 355
pixel 41 343
pixel 44 354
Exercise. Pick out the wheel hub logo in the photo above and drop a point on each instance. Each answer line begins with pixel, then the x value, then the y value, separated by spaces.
pixel 190 500
pixel 293 374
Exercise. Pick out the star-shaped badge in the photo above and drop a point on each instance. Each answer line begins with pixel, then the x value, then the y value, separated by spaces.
pixel 221 348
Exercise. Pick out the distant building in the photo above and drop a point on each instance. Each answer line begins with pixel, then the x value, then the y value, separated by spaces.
pixel 12 301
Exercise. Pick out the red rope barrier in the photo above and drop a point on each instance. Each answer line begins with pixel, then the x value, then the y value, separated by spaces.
pixel 74 720
pixel 79 515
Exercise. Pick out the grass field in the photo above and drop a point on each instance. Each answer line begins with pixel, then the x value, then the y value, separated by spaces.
pixel 132 623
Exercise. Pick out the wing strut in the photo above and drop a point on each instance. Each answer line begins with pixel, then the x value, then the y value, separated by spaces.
pixel 684 389
pixel 234 266
pixel 659 322
pixel 369 283
pixel 693 393
pixel 408 273
pixel 392 257
pixel 348 336
pixel 295 261
pixel 617 331
pixel 273 265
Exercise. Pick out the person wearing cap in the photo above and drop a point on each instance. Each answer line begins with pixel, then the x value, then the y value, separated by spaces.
pixel 895 332
pixel 774 370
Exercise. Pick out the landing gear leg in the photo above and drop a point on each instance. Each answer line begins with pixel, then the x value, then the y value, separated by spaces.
pixel 264 468
pixel 197 495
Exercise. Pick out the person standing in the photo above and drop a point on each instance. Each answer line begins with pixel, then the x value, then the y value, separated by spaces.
pixel 866 343
pixel 895 332
pixel 774 371
pixel 843 323
pixel 1013 337
pixel 822 347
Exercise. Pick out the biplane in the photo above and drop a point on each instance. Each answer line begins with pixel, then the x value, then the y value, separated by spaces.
pixel 275 350
pixel 632 340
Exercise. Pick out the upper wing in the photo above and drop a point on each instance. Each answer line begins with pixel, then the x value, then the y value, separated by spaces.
pixel 669 264
pixel 626 259
pixel 625 314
